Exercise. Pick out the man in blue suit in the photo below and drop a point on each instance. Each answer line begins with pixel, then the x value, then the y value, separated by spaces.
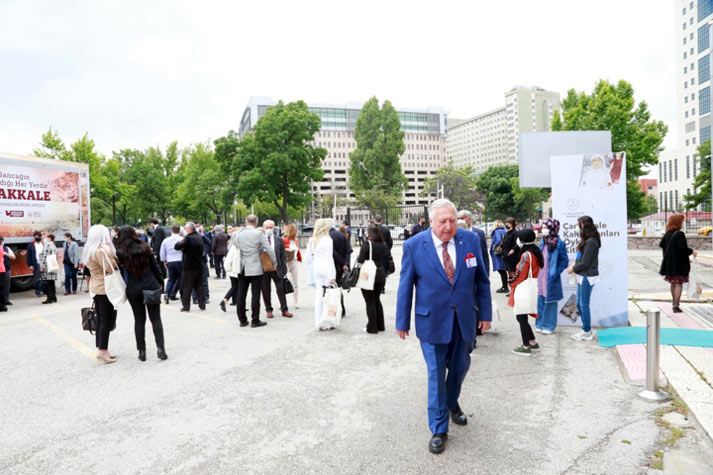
pixel 446 267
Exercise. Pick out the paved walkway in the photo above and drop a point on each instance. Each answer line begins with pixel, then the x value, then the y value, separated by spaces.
pixel 286 399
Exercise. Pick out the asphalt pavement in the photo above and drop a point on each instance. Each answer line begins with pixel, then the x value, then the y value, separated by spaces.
pixel 287 399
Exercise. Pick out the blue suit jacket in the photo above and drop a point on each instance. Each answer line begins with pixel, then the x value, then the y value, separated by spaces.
pixel 438 303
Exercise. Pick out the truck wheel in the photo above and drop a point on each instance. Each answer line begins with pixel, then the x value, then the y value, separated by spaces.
pixel 20 284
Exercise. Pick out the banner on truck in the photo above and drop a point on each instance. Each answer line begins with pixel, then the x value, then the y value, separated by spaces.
pixel 594 185
pixel 44 199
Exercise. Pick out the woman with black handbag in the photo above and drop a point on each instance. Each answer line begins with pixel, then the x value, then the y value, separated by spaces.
pixel 143 288
pixel 380 254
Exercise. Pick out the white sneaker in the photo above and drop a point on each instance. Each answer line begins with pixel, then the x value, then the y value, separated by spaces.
pixel 538 330
pixel 583 336
pixel 547 332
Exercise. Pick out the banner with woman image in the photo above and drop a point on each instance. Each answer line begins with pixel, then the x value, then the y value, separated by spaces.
pixel 594 185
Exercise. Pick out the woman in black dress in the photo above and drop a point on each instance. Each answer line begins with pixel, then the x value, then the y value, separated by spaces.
pixel 511 251
pixel 380 255
pixel 675 265
pixel 142 273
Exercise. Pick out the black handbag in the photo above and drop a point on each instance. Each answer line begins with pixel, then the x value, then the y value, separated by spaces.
pixel 289 288
pixel 351 277
pixel 390 266
pixel 89 319
pixel 152 297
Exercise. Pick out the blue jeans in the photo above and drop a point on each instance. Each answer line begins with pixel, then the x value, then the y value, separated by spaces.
pixel 546 314
pixel 174 279
pixel 447 366
pixel 584 292
pixel 70 278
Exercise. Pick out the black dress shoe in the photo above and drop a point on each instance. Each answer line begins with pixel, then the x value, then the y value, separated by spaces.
pixel 165 298
pixel 222 305
pixel 202 307
pixel 458 417
pixel 142 355
pixel 3 309
pixel 161 353
pixel 501 290
pixel 258 323
pixel 8 303
pixel 437 443
pixel 174 298
pixel 244 324
pixel 184 309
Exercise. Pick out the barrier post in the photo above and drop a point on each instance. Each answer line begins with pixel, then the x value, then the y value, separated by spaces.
pixel 653 347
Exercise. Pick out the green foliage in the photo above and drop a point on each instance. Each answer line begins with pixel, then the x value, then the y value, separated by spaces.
pixel 275 163
pixel 503 196
pixel 651 205
pixel 612 107
pixel 203 185
pixel 702 181
pixel 51 146
pixel 375 174
pixel 459 186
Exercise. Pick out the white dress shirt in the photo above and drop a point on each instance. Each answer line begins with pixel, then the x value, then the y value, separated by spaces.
pixel 439 249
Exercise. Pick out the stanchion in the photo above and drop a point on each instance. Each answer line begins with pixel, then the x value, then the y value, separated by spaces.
pixel 653 347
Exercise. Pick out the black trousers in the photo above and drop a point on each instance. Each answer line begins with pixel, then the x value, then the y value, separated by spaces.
pixel 4 288
pixel 219 260
pixel 50 288
pixel 374 310
pixel 503 278
pixel 154 311
pixel 206 274
pixel 525 329
pixel 192 279
pixel 105 320
pixel 267 279
pixel 164 273
pixel 255 284
pixel 7 280
pixel 232 292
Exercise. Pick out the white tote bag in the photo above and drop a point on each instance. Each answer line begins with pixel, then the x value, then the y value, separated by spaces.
pixel 526 293
pixel 695 289
pixel 232 260
pixel 114 284
pixel 331 306
pixel 367 274
pixel 495 322
pixel 52 264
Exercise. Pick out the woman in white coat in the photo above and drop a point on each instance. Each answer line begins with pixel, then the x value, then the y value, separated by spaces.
pixel 321 264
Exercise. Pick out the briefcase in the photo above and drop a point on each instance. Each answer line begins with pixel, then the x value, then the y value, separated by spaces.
pixel 266 261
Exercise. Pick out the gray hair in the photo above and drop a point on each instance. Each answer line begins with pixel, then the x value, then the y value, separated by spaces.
pixel 190 225
pixel 264 223
pixel 218 228
pixel 462 224
pixel 465 212
pixel 97 237
pixel 251 219
pixel 441 203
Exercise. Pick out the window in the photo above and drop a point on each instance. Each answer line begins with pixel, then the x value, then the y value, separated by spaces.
pixel 688 166
pixel 684 25
pixel 703 35
pixel 675 169
pixel 705 8
pixel 693 111
pixel 685 84
pixel 676 202
pixel 664 173
pixel 704 100
pixel 661 200
pixel 685 54
pixel 670 170
pixel 705 134
pixel 693 66
pixel 693 141
pixel 685 99
pixel 685 70
pixel 695 172
pixel 686 114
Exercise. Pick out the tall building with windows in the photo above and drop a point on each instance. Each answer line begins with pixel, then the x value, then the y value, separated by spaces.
pixel 424 140
pixel 678 168
pixel 493 138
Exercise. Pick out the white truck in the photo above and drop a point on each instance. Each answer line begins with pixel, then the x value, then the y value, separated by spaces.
pixel 40 194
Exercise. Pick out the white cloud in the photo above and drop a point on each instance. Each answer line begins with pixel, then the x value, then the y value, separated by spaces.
pixel 134 74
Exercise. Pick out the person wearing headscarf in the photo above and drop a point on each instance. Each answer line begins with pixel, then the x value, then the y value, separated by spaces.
pixel 549 281
pixel 531 263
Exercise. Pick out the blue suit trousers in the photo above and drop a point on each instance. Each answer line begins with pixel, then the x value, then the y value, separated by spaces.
pixel 447 366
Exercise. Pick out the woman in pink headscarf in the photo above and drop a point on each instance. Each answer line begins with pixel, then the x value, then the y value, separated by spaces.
pixel 549 281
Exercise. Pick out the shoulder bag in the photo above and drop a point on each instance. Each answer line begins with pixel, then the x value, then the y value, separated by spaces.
pixel 351 277
pixel 525 297
pixel 89 319
pixel 266 261
pixel 152 297
pixel 367 274
pixel 52 264
pixel 390 266
pixel 114 284
pixel 289 288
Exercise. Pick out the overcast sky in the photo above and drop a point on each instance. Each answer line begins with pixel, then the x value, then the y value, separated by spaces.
pixel 138 73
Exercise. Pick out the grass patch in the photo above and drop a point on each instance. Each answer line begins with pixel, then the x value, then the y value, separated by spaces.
pixel 581 436
pixel 676 434
pixel 657 465
pixel 627 442
pixel 658 454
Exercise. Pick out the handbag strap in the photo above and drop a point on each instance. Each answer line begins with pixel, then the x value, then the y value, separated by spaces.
pixel 668 246
pixel 370 251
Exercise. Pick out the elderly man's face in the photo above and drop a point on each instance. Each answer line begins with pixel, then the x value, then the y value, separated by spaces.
pixel 444 223
pixel 468 220
pixel 268 225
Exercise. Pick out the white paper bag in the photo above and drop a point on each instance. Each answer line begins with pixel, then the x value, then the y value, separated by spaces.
pixel 495 323
pixel 695 289
pixel 367 274
pixel 52 265
pixel 525 298
pixel 331 307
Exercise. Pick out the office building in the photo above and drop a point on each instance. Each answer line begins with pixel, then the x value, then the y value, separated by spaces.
pixel 678 168
pixel 493 138
pixel 424 140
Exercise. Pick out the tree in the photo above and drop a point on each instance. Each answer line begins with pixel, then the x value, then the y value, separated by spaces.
pixel 375 174
pixel 51 146
pixel 459 186
pixel 275 163
pixel 503 196
pixel 702 181
pixel 202 186
pixel 651 205
pixel 612 107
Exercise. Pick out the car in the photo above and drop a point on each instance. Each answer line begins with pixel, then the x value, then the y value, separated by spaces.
pixel 305 231
pixel 705 231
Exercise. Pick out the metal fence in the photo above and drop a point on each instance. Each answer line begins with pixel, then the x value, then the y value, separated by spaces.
pixel 695 222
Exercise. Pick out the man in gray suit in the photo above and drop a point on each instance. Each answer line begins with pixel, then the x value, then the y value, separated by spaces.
pixel 251 242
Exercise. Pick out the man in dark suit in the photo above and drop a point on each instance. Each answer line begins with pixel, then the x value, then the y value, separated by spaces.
pixel 276 275
pixel 447 270
pixel 418 227
pixel 385 232
pixel 465 215
pixel 156 240
pixel 192 265
pixel 340 254
pixel 33 253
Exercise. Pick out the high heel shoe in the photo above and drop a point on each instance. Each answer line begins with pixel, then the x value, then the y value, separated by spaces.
pixel 161 353
pixel 142 355
pixel 105 359
pixel 222 305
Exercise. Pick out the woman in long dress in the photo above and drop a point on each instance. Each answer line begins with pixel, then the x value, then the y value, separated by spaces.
pixel 321 263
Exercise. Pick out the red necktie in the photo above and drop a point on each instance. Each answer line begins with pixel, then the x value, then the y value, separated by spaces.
pixel 448 264
pixel 269 240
